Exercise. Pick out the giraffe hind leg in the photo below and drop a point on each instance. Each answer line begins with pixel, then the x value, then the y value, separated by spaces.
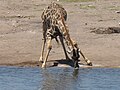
pixel 61 40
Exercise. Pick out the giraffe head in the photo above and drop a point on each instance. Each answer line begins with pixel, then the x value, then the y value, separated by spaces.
pixel 74 51
pixel 75 56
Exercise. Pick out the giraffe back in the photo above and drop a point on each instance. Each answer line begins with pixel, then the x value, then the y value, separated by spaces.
pixel 50 17
pixel 54 10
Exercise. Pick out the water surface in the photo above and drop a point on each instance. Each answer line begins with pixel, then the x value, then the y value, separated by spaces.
pixel 19 78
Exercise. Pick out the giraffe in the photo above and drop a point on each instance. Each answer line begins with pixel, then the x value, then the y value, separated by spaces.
pixel 54 27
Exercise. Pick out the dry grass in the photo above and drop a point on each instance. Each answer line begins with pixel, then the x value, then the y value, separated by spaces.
pixel 78 0
pixel 87 7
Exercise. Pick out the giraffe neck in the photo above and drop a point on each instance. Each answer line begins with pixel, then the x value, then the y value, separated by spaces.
pixel 65 31
pixel 73 49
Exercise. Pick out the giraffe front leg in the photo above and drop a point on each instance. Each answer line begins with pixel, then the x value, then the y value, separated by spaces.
pixel 49 47
pixel 43 40
pixel 42 52
pixel 86 59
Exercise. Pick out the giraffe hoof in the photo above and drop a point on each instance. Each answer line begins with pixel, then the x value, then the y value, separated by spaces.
pixel 43 65
pixel 89 63
pixel 41 60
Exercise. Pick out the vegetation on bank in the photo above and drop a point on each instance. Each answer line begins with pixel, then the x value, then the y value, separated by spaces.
pixel 77 0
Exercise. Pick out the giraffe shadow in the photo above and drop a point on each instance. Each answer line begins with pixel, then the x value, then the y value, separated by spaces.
pixel 63 62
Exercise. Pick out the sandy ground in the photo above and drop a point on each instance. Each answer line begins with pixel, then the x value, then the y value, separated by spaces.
pixel 21 31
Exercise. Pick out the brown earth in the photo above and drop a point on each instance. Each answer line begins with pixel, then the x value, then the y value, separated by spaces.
pixel 21 31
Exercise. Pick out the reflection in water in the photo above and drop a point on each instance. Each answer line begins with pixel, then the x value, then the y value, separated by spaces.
pixel 60 79
pixel 76 73
pixel 57 80
pixel 16 78
pixel 82 79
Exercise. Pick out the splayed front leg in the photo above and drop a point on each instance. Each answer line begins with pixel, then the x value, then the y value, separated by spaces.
pixel 44 63
pixel 49 47
pixel 42 52
pixel 86 59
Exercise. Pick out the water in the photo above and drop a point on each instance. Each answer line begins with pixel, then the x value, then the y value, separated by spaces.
pixel 18 78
